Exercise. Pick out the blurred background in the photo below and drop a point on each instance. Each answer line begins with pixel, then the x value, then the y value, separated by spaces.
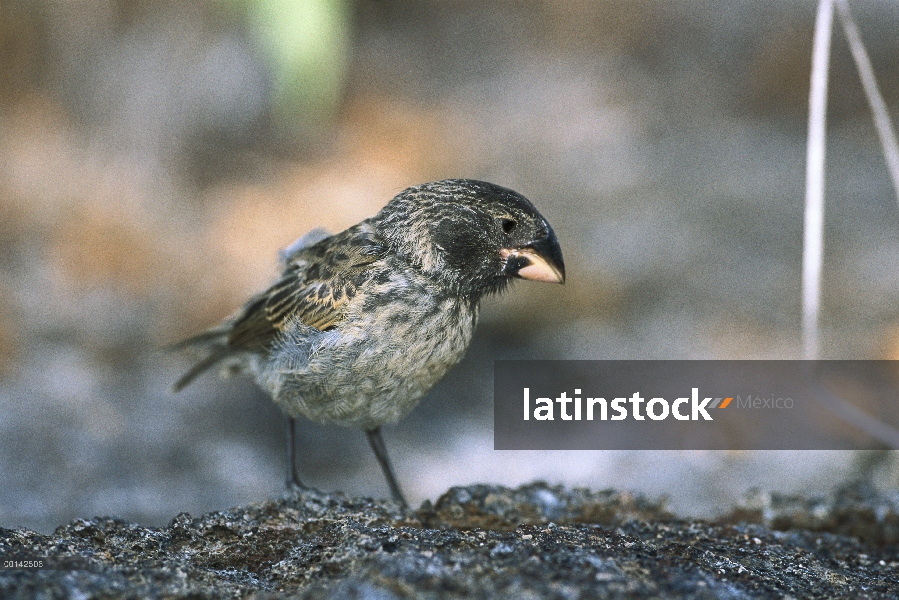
pixel 156 154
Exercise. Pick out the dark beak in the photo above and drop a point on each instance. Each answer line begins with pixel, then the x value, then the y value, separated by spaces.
pixel 540 260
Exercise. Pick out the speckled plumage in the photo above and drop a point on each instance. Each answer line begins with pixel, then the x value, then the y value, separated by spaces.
pixel 363 323
pixel 389 334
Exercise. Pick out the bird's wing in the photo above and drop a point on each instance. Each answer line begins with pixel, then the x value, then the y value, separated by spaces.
pixel 311 237
pixel 316 287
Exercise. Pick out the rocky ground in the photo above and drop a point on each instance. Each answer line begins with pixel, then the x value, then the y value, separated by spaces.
pixel 536 541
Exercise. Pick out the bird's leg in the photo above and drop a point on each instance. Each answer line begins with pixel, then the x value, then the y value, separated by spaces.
pixel 293 478
pixel 377 444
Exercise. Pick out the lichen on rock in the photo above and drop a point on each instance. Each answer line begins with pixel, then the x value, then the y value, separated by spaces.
pixel 536 541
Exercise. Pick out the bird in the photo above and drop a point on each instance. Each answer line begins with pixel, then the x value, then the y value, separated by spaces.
pixel 362 324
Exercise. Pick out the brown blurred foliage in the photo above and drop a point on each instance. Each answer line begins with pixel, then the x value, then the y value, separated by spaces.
pixel 22 50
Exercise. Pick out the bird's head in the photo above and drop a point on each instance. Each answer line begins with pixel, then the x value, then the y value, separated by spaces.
pixel 472 236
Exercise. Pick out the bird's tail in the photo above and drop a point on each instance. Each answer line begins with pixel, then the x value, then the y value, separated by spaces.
pixel 213 343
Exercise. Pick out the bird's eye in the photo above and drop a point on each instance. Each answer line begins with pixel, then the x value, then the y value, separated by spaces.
pixel 507 225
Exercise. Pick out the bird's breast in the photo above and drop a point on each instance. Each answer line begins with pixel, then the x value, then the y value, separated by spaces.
pixel 374 366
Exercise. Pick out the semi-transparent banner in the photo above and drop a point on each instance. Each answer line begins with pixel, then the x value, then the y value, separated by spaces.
pixel 696 405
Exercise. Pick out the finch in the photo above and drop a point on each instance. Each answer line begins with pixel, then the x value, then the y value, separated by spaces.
pixel 362 324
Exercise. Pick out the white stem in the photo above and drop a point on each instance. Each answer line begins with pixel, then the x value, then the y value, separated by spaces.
pixel 877 429
pixel 885 130
pixel 813 239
